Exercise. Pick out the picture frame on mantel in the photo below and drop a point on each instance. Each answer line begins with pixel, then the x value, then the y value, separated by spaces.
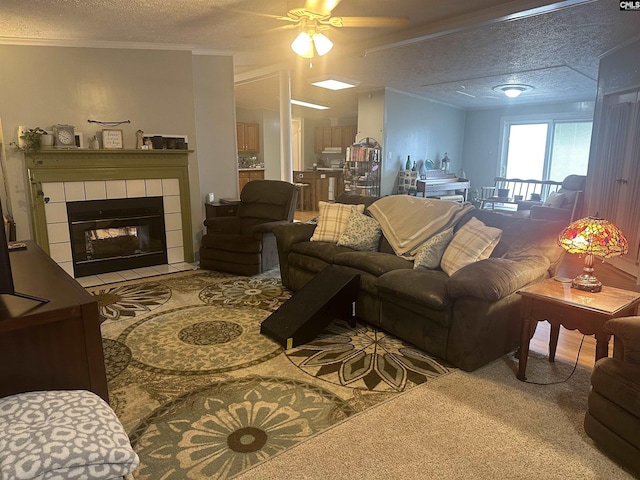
pixel 112 138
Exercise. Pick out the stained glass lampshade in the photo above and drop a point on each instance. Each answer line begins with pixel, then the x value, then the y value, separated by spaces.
pixel 592 237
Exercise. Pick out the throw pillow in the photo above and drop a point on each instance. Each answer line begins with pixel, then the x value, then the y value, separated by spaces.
pixel 332 220
pixel 430 253
pixel 555 200
pixel 473 242
pixel 361 233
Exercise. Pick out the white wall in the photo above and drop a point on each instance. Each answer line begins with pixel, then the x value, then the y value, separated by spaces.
pixel 409 125
pixel 214 109
pixel 483 135
pixel 43 86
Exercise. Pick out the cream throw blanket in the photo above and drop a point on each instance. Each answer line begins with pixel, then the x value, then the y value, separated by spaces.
pixel 407 221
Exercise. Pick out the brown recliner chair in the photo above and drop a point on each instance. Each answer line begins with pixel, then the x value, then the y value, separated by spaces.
pixel 613 417
pixel 244 244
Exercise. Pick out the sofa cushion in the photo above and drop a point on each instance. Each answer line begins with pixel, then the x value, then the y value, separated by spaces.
pixel 375 263
pixel 362 232
pixel 332 221
pixel 418 287
pixel 474 241
pixel 430 253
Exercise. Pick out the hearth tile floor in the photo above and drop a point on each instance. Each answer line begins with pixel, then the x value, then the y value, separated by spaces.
pixel 114 277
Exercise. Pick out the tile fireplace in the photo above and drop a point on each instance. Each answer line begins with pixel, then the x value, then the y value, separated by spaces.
pixel 64 184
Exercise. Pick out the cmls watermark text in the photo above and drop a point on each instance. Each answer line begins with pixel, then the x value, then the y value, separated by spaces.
pixel 630 6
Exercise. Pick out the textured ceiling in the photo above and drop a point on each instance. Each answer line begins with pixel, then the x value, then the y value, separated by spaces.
pixel 450 52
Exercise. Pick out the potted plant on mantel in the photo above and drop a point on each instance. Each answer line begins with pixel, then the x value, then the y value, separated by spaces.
pixel 32 140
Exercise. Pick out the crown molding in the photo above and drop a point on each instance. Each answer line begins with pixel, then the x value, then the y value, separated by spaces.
pixel 40 42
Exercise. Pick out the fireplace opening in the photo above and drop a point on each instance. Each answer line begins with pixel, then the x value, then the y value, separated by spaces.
pixel 119 234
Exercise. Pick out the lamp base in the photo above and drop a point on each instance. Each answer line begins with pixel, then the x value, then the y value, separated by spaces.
pixel 586 282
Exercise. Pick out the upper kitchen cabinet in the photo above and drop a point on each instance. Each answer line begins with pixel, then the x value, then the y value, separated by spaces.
pixel 248 137
pixel 338 136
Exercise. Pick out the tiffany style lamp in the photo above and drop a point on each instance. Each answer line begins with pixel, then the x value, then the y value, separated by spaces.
pixel 592 237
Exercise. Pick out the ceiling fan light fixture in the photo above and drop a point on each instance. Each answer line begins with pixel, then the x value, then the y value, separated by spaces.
pixel 303 45
pixel 513 90
pixel 322 43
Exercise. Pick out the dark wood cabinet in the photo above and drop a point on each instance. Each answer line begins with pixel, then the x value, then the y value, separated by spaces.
pixel 324 186
pixel 337 136
pixel 49 346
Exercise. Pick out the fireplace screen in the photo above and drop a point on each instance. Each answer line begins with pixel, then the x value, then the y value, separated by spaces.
pixel 112 235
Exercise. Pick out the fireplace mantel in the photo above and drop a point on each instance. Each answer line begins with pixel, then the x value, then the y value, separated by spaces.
pixel 83 165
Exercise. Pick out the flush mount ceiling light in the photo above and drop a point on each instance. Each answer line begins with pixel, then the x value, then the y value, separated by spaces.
pixel 513 90
pixel 333 82
pixel 309 105
pixel 311 40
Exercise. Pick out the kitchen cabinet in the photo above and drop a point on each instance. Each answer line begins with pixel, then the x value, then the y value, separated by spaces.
pixel 338 136
pixel 246 176
pixel 248 137
pixel 324 186
pixel 348 136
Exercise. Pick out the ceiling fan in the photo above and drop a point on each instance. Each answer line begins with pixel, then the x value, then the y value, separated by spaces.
pixel 314 17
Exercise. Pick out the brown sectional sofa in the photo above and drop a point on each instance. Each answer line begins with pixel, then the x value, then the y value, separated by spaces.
pixel 467 319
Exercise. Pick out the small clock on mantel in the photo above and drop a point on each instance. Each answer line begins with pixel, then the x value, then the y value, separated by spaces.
pixel 65 136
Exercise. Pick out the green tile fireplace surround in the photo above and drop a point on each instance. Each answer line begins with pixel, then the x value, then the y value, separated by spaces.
pixel 48 166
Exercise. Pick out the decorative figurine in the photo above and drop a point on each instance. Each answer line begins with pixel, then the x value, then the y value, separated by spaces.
pixel 93 143
pixel 139 139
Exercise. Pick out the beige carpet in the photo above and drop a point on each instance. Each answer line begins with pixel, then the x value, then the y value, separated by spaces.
pixel 484 424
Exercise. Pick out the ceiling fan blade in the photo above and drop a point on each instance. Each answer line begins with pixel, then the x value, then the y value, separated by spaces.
pixel 271 30
pixel 323 7
pixel 371 22
pixel 257 14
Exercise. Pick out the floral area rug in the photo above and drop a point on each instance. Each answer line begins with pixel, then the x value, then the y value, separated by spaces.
pixel 203 394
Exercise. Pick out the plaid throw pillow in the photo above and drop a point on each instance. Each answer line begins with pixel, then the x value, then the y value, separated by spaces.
pixel 332 221
pixel 473 242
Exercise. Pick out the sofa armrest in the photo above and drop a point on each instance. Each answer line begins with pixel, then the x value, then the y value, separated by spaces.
pixel 495 278
pixel 287 236
pixel 223 225
pixel 627 331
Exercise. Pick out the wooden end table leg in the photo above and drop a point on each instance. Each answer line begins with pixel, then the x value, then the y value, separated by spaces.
pixel 553 341
pixel 525 337
pixel 602 345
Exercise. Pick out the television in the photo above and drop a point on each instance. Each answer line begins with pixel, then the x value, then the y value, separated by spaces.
pixel 6 277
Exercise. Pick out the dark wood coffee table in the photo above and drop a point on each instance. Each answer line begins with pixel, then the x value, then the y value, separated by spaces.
pixel 559 304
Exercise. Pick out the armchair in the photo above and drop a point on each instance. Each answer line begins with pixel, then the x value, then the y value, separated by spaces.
pixel 613 416
pixel 244 244
pixel 563 205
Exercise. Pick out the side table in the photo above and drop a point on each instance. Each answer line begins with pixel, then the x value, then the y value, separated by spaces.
pixel 561 305
pixel 220 209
